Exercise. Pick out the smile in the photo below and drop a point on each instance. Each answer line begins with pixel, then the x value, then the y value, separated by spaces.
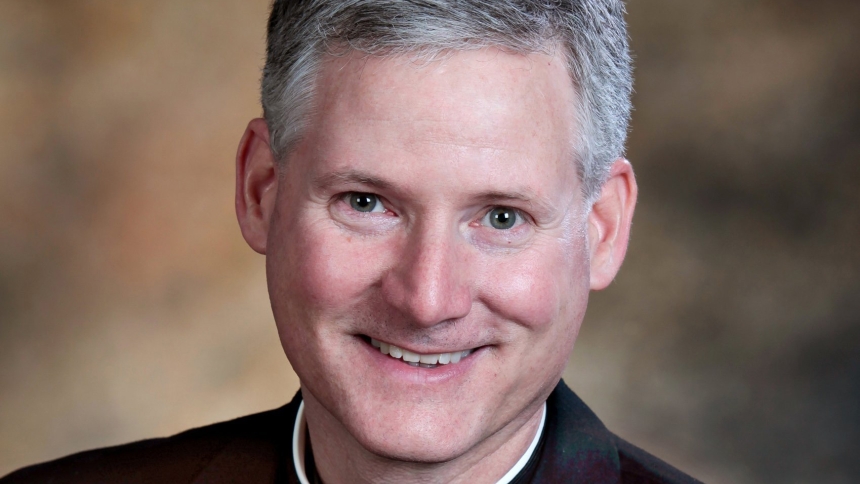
pixel 416 359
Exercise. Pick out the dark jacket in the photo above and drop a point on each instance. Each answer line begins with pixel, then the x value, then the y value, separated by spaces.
pixel 574 448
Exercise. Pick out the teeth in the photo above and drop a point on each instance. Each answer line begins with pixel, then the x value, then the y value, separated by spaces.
pixel 410 356
pixel 416 359
pixel 429 359
pixel 395 351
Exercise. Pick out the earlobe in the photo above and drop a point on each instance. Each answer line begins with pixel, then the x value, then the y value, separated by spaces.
pixel 609 223
pixel 256 184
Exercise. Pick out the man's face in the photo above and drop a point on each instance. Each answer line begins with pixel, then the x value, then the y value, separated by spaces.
pixel 434 207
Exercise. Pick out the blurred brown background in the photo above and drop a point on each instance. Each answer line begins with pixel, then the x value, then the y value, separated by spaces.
pixel 131 308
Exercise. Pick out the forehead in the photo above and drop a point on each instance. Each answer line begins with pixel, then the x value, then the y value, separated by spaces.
pixel 485 110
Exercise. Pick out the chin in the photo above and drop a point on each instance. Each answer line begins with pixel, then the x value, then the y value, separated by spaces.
pixel 414 445
pixel 412 430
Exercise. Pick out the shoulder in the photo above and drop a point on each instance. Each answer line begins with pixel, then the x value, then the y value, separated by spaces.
pixel 252 444
pixel 579 448
pixel 638 466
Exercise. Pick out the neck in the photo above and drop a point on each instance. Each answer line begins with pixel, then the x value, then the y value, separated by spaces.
pixel 342 459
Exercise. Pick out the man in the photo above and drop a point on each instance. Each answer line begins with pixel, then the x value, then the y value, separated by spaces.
pixel 436 186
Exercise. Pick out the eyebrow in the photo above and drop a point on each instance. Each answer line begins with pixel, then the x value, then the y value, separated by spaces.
pixel 526 197
pixel 351 176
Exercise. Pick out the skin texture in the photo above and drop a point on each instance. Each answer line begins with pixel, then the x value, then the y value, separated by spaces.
pixel 440 144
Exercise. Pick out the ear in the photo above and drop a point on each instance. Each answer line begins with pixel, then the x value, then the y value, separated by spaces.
pixel 256 184
pixel 609 223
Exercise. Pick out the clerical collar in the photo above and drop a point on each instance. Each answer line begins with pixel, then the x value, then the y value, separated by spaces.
pixel 300 432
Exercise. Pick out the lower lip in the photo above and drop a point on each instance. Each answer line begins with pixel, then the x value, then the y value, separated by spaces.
pixel 397 368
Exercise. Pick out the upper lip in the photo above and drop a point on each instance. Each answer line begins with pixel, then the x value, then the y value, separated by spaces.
pixel 428 351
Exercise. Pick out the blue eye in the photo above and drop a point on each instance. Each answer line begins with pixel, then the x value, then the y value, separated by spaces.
pixel 365 202
pixel 502 218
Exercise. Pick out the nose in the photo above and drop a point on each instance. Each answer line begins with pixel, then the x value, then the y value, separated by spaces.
pixel 429 281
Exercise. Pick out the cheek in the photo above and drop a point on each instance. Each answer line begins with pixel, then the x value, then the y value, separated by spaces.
pixel 541 287
pixel 323 270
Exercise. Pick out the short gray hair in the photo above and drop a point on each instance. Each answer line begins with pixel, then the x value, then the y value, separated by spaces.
pixel 592 34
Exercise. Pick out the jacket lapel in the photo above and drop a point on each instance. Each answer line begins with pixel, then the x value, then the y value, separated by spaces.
pixel 578 447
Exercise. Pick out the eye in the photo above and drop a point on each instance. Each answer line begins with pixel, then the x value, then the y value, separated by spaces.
pixel 365 202
pixel 502 218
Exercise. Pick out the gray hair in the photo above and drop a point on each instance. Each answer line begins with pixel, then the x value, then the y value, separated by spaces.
pixel 591 33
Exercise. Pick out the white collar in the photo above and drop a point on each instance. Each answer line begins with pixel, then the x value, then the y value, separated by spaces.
pixel 300 443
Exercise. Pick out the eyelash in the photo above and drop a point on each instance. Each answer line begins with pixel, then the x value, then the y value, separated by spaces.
pixel 484 220
pixel 346 198
pixel 521 218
